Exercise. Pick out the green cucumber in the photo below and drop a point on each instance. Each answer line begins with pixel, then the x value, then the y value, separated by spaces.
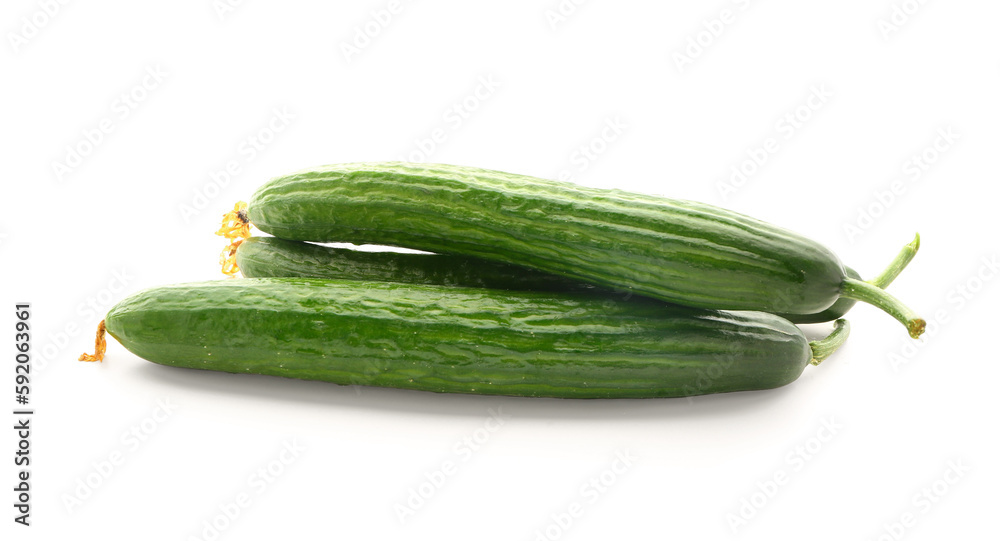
pixel 682 252
pixel 270 257
pixel 264 257
pixel 461 340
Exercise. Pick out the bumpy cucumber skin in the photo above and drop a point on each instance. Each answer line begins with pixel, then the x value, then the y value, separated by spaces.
pixel 271 257
pixel 458 340
pixel 683 252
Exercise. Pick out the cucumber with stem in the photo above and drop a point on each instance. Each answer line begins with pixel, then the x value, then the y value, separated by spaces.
pixel 682 252
pixel 263 257
pixel 461 340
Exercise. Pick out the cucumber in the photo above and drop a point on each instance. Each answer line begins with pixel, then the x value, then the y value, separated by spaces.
pixel 682 252
pixel 461 340
pixel 266 257
pixel 263 257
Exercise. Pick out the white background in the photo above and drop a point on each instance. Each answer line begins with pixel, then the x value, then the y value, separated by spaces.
pixel 141 206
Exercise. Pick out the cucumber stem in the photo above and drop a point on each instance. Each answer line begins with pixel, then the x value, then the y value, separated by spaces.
pixel 897 265
pixel 821 349
pixel 873 295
